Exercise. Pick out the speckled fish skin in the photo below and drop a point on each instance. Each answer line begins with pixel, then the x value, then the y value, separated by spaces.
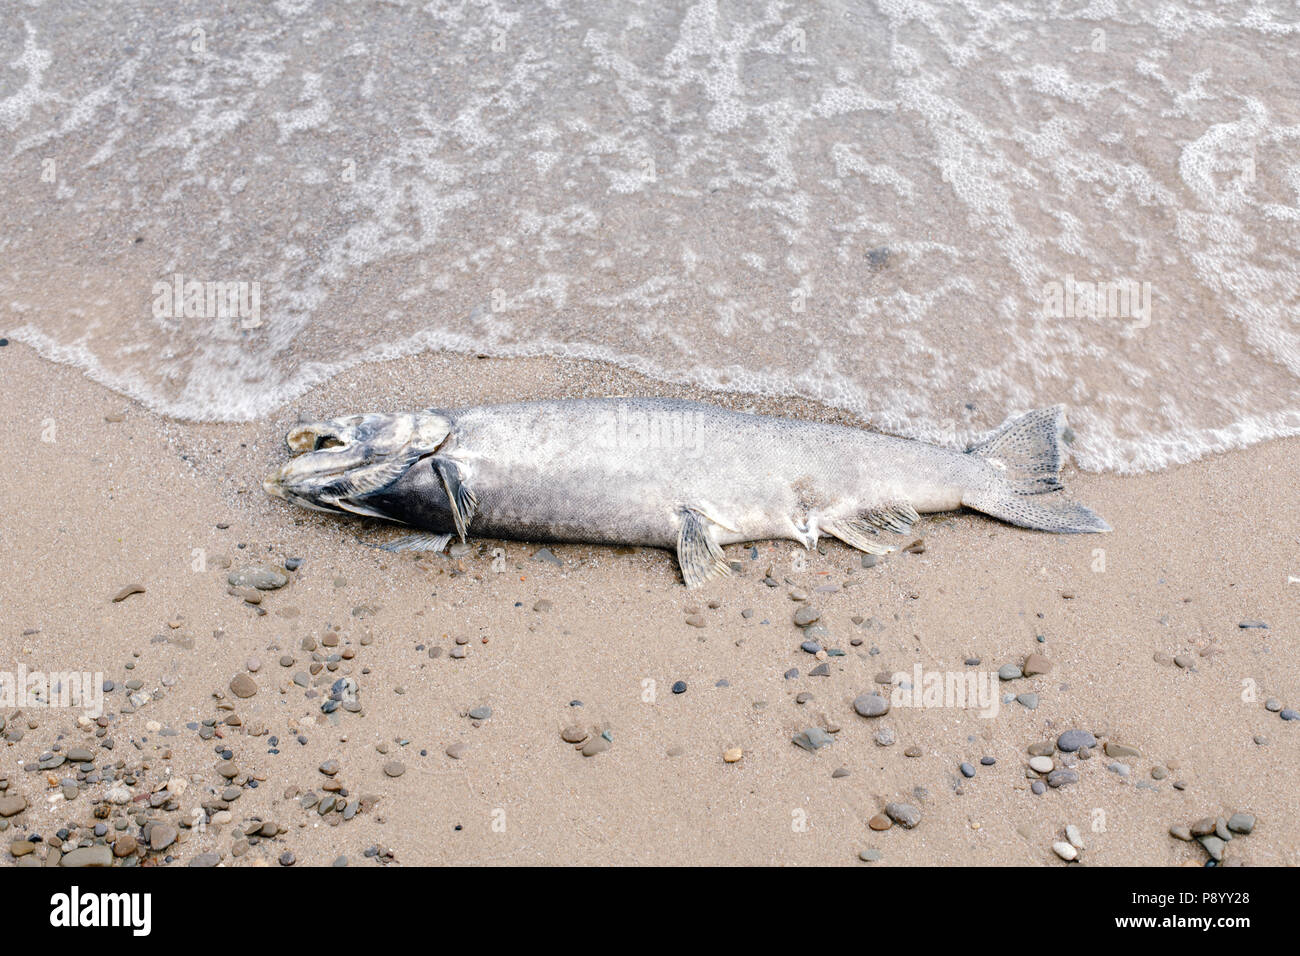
pixel 673 474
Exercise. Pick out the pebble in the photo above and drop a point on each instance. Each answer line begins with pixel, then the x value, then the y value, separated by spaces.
pixel 1062 777
pixel 806 615
pixel 880 822
pixel 243 686
pixel 679 687
pixel 1213 846
pixel 394 768
pixel 1241 823
pixel 1074 836
pixel 967 770
pixel 871 705
pixel 12 805
pixel 1065 851
pixel 161 836
pixel 1180 832
pixel 1009 672
pixel 885 737
pixel 482 712
pixel 1289 713
pixel 1029 700
pixel 812 739
pixel 1041 764
pixel 1073 740
pixel 127 591
pixel 596 745
pixel 84 856
pixel 732 755
pixel 257 576
pixel 904 814
pixel 1036 664
pixel 870 856
pixel 457 750
pixel 573 734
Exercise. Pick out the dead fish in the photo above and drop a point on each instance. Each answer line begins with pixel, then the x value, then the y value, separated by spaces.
pixel 665 473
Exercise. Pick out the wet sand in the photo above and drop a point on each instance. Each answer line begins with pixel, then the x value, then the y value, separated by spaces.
pixel 99 493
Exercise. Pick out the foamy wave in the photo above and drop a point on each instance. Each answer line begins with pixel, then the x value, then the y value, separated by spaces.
pixel 933 216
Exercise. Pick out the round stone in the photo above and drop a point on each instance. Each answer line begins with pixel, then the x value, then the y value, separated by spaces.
pixel 871 705
pixel 243 686
pixel 1073 740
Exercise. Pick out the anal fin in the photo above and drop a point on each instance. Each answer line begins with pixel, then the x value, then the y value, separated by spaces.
pixel 858 534
pixel 864 531
pixel 700 557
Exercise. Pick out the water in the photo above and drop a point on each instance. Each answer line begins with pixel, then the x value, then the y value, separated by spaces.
pixel 884 206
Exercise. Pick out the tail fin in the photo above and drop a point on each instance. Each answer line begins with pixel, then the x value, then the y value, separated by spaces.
pixel 1024 456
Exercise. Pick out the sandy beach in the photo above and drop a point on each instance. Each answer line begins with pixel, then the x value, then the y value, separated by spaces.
pixel 472 668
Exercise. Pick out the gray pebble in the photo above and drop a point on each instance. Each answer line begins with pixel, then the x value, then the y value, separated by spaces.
pixel 1062 777
pixel 871 705
pixel 1073 740
pixel 1241 822
pixel 904 814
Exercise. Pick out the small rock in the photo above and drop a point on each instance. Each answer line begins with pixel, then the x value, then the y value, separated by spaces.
pixel 1036 664
pixel 84 856
pixel 243 686
pixel 1072 740
pixel 871 705
pixel 257 576
pixel 127 591
pixel 904 814
pixel 1065 851
pixel 1241 822
pixel 1062 777
pixel 812 739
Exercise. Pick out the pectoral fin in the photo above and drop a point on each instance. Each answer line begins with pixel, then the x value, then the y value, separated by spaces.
pixel 436 543
pixel 461 499
pixel 698 553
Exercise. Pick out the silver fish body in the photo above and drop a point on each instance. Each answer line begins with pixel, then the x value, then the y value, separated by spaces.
pixel 671 474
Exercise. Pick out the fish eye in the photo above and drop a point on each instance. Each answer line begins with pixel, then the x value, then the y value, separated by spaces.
pixel 327 441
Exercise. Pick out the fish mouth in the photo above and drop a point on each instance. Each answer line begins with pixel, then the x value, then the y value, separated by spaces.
pixel 337 464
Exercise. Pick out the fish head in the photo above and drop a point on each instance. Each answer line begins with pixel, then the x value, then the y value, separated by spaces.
pixel 338 463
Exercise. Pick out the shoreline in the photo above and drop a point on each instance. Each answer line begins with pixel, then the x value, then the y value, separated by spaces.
pixel 122 496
